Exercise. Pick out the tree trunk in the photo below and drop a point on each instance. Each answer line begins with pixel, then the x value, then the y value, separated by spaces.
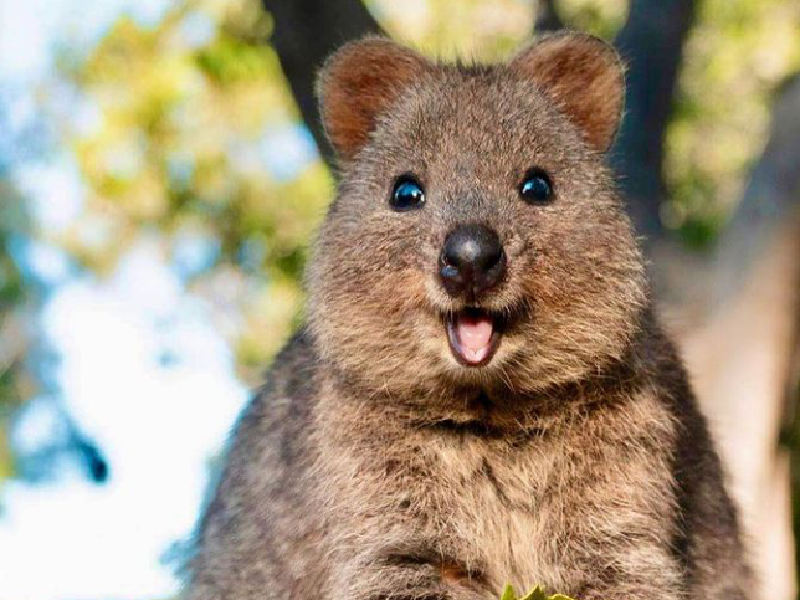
pixel 305 33
pixel 651 43
pixel 547 17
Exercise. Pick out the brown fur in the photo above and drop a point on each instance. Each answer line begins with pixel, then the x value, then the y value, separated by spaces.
pixel 374 466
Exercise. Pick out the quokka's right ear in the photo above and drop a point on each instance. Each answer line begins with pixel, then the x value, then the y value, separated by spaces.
pixel 584 76
pixel 358 83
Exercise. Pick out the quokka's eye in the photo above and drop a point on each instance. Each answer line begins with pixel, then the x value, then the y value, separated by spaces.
pixel 407 194
pixel 536 188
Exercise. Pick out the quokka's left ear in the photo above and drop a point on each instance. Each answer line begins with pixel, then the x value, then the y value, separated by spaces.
pixel 358 83
pixel 584 76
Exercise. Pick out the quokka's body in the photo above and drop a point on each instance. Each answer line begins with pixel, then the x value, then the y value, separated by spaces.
pixel 481 395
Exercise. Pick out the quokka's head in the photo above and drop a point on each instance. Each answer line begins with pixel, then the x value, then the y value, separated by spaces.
pixel 476 239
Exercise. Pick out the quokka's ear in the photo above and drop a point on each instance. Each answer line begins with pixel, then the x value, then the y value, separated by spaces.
pixel 586 78
pixel 358 83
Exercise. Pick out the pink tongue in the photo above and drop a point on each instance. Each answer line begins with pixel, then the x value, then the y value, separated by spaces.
pixel 475 334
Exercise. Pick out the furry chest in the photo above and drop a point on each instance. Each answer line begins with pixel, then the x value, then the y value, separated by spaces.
pixel 494 510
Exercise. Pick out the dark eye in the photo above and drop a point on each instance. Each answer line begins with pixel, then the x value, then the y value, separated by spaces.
pixel 407 194
pixel 536 188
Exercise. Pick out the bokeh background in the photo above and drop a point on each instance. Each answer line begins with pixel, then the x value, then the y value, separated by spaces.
pixel 162 171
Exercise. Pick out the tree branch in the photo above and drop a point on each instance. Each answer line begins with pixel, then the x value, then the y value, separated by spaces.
pixel 305 33
pixel 547 18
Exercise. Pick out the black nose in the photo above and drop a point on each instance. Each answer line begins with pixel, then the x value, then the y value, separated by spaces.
pixel 472 260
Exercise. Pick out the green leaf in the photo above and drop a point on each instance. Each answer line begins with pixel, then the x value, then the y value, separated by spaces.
pixel 536 593
pixel 509 593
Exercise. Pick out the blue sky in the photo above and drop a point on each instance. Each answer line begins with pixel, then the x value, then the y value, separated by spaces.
pixel 157 426
pixel 157 422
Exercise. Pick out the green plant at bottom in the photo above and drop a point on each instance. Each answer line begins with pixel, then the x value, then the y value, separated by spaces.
pixel 536 593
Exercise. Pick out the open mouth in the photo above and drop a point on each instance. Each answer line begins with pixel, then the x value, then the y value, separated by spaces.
pixel 474 336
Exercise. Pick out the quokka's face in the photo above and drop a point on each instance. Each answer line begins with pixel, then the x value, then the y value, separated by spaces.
pixel 476 239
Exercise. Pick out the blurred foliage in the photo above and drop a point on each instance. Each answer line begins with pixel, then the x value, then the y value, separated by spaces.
pixel 12 296
pixel 186 113
pixel 603 18
pixel 18 295
pixel 468 29
pixel 736 57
